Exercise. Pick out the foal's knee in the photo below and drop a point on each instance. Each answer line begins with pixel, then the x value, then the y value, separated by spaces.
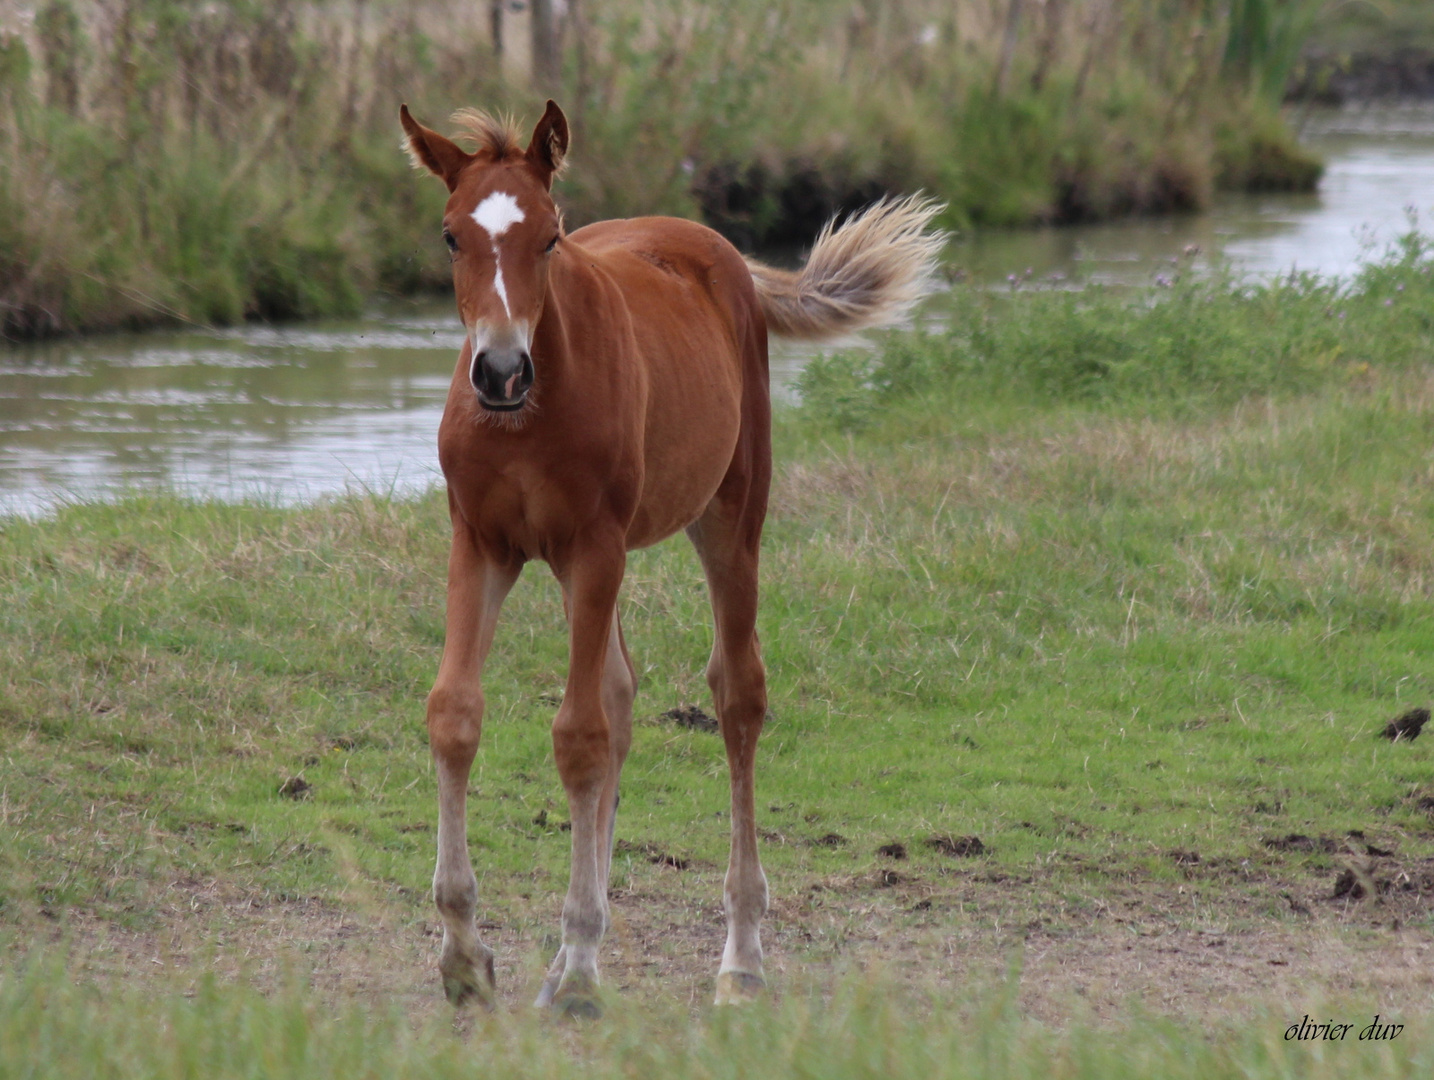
pixel 739 687
pixel 619 689
pixel 455 722
pixel 581 748
pixel 455 894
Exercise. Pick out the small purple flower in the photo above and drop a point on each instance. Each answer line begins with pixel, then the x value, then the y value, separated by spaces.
pixel 1389 303
pixel 1162 281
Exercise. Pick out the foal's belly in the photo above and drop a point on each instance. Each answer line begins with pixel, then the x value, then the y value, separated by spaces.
pixel 694 419
pixel 675 497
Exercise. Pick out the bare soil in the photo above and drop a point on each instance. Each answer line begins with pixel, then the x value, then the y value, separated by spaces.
pixel 1220 938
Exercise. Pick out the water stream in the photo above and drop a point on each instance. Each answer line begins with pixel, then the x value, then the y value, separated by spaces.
pixel 292 413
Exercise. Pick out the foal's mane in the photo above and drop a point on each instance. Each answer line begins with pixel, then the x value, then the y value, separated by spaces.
pixel 497 136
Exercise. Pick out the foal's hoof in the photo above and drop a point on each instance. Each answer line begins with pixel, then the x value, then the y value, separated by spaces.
pixel 466 982
pixel 739 988
pixel 578 999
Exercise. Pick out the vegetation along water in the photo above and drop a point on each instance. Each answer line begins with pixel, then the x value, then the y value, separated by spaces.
pixel 162 160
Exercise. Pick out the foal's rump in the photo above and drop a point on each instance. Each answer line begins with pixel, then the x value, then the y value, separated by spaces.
pixel 700 316
pixel 691 293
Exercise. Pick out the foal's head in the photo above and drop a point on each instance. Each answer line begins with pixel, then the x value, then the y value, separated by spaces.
pixel 502 229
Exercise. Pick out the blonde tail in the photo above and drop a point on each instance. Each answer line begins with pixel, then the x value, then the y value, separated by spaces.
pixel 867 272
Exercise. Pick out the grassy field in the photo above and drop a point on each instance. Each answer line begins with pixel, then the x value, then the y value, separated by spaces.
pixel 247 153
pixel 1125 586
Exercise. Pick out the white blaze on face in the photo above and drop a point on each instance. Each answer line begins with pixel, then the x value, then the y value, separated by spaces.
pixel 495 214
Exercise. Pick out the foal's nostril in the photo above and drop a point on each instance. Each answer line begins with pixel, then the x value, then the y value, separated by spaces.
pixel 502 378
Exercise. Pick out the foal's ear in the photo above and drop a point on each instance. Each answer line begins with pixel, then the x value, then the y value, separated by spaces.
pixel 550 143
pixel 440 156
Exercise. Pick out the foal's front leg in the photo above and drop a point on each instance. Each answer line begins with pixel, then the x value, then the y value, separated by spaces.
pixel 477 587
pixel 588 747
pixel 619 687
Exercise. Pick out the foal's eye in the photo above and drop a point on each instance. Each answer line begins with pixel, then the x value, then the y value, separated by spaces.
pixel 449 240
pixel 551 244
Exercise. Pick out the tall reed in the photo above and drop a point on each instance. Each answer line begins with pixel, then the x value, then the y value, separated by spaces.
pixel 177 160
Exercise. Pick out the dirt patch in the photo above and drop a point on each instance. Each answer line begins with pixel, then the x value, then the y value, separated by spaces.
pixel 958 847
pixel 1326 845
pixel 1204 946
pixel 296 787
pixel 653 854
pixel 1386 883
pixel 690 717
pixel 542 821
pixel 1406 725
pixel 895 850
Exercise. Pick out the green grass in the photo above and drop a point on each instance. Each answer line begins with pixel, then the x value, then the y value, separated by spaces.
pixel 1086 575
pixel 1189 345
pixel 1099 578
pixel 51 1028
pixel 1089 640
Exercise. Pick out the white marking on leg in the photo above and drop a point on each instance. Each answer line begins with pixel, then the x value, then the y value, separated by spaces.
pixel 495 214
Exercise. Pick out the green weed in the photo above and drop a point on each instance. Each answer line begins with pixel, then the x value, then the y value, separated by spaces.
pixel 1198 341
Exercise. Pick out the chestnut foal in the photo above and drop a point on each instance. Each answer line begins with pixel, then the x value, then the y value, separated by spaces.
pixel 611 391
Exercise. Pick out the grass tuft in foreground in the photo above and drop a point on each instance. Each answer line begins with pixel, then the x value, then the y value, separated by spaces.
pixel 51 1027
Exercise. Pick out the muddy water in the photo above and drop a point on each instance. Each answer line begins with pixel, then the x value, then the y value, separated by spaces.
pixel 294 413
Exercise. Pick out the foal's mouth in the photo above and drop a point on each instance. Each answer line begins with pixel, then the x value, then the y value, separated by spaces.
pixel 503 406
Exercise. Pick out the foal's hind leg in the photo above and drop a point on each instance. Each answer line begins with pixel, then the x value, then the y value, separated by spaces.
pixel 727 539
pixel 477 587
pixel 619 687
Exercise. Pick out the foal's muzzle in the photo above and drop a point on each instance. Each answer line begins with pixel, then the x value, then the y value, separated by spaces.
pixel 502 378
